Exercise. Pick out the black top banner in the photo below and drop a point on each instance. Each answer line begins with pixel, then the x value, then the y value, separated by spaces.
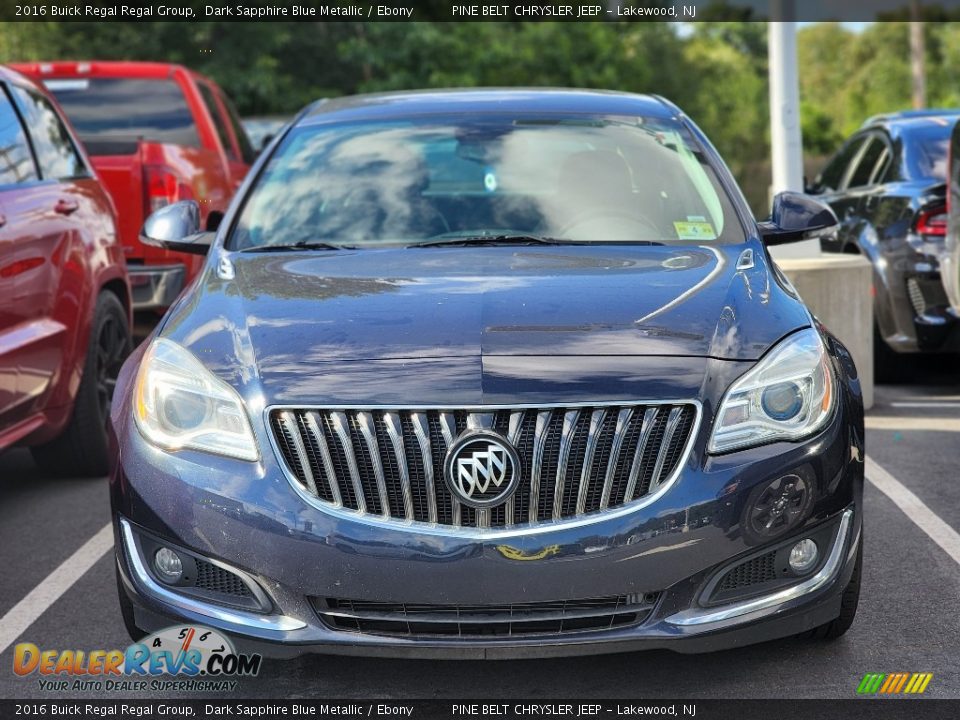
pixel 472 11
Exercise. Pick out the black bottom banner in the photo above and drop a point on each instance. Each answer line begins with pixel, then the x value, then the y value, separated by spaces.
pixel 873 709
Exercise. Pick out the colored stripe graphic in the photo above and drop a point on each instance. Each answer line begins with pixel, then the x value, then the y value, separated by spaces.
pixel 894 683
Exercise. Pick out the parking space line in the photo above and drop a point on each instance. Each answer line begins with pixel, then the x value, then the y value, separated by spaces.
pixel 929 423
pixel 925 404
pixel 915 509
pixel 22 615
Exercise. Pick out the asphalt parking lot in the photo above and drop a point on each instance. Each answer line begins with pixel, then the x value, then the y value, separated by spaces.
pixel 907 620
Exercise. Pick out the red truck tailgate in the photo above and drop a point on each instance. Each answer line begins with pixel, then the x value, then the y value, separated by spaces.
pixel 122 177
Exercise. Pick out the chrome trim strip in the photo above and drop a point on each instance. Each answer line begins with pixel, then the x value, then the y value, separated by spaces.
pixel 369 432
pixel 593 435
pixel 391 421
pixel 698 616
pixel 566 440
pixel 672 421
pixel 448 428
pixel 289 422
pixel 487 408
pixel 279 623
pixel 528 528
pixel 513 435
pixel 480 421
pixel 341 426
pixel 649 421
pixel 623 422
pixel 313 421
pixel 421 429
pixel 483 517
pixel 539 440
pixel 452 617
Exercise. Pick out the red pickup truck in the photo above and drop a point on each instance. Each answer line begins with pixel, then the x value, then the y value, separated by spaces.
pixel 156 133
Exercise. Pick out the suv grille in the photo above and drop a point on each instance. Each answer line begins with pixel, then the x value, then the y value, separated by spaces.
pixel 573 461
pixel 545 618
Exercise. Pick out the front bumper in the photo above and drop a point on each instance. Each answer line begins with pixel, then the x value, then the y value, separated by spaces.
pixel 248 517
pixel 912 307
pixel 155 287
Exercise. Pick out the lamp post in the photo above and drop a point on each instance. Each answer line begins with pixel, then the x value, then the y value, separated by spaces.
pixel 786 144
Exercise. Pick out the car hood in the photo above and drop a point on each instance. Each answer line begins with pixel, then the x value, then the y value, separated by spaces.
pixel 281 313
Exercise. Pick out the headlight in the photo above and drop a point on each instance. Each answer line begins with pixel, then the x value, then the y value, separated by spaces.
pixel 787 396
pixel 179 404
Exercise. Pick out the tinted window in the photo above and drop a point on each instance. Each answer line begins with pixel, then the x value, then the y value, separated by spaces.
pixel 56 154
pixel 925 144
pixel 833 175
pixel 577 178
pixel 867 163
pixel 112 112
pixel 16 163
pixel 218 122
pixel 883 171
pixel 246 149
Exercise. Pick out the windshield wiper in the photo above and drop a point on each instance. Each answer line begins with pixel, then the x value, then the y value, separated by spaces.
pixel 522 239
pixel 301 245
pixel 518 239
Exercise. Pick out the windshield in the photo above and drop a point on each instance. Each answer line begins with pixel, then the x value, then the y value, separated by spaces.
pixel 582 179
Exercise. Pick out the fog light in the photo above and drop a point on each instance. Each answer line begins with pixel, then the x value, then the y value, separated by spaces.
pixel 803 556
pixel 169 567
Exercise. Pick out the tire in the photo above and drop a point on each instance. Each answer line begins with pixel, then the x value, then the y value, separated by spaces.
pixel 126 610
pixel 848 606
pixel 889 366
pixel 81 449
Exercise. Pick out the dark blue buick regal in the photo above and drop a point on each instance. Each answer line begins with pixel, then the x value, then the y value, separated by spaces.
pixel 489 373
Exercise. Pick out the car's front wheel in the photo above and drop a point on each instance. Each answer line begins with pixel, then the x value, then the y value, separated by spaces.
pixel 848 606
pixel 81 449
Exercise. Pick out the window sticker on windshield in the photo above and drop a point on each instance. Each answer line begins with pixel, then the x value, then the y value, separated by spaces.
pixel 687 230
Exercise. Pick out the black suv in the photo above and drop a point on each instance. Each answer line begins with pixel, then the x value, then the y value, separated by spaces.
pixel 886 185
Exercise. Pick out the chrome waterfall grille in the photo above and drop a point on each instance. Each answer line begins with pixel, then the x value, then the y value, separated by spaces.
pixel 573 460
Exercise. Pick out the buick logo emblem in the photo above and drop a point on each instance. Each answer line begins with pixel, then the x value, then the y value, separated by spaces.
pixel 482 469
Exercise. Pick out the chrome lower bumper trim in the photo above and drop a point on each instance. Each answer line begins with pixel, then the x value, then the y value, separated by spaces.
pixel 280 623
pixel 699 616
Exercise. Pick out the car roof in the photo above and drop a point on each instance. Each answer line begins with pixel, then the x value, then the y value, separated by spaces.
pixel 485 100
pixel 913 118
pixel 101 68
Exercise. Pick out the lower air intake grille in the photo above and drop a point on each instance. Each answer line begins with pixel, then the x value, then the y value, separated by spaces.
pixel 753 572
pixel 216 580
pixel 926 293
pixel 573 460
pixel 545 618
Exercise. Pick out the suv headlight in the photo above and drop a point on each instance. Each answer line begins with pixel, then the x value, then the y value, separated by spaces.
pixel 788 395
pixel 179 404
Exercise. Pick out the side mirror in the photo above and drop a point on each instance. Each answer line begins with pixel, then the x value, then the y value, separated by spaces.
pixel 797 217
pixel 177 227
